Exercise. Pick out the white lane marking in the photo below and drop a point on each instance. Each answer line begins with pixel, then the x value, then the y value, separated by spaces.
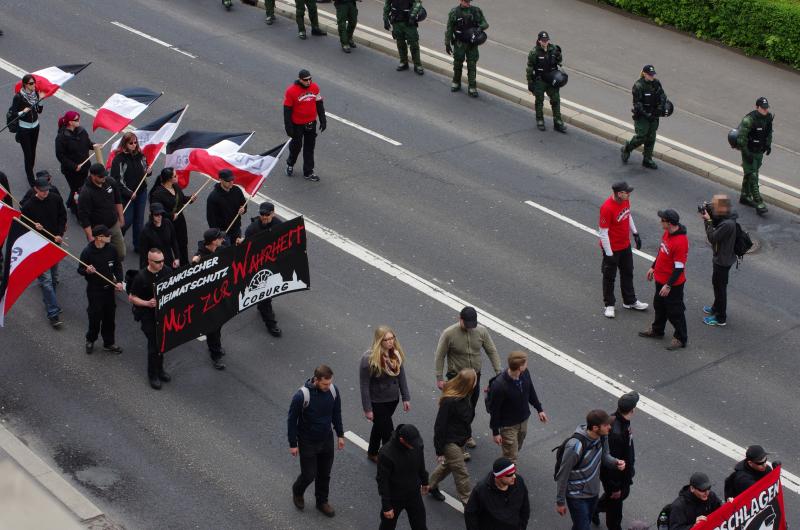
pixel 151 38
pixel 362 443
pixel 583 227
pixel 545 351
pixel 363 129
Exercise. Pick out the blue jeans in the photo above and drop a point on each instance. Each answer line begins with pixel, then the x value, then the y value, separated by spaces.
pixel 134 215
pixel 581 510
pixel 48 281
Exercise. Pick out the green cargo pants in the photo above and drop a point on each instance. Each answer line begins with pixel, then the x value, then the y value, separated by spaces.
pixel 346 20
pixel 539 90
pixel 453 463
pixel 407 36
pixel 751 163
pixel 644 133
pixel 461 51
pixel 269 6
pixel 300 11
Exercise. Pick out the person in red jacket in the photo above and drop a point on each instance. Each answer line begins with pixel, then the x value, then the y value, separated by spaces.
pixel 302 104
pixel 615 229
pixel 668 270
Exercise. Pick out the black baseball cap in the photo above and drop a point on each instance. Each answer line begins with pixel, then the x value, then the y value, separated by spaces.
pixel 266 208
pixel 700 481
pixel 469 316
pixel 303 74
pixel 649 69
pixel 98 169
pixel 101 230
pixel 212 234
pixel 157 208
pixel 621 186
pixel 627 402
pixel 226 175
pixel 43 174
pixel 42 184
pixel 762 102
pixel 756 453
pixel 410 434
pixel 543 36
pixel 669 215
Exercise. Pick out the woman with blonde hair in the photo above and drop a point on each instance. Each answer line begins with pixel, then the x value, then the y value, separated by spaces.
pixel 451 432
pixel 383 383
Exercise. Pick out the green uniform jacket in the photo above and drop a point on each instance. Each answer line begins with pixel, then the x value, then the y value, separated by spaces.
pixel 387 9
pixel 753 118
pixel 474 11
pixel 642 87
pixel 462 347
pixel 552 50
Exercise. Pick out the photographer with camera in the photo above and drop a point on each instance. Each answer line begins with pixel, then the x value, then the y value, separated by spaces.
pixel 720 225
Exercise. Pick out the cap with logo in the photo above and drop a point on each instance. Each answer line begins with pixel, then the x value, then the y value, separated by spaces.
pixel 700 481
pixel 469 316
pixel 649 69
pixel 303 74
pixel 621 186
pixel 762 102
pixel 669 215
pixel 543 36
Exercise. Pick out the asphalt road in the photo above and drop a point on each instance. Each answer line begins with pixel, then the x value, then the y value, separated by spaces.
pixel 209 451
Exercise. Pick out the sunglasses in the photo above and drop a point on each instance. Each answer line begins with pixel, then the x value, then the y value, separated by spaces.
pixel 305 79
pixel 30 83
pixel 156 261
pixel 133 143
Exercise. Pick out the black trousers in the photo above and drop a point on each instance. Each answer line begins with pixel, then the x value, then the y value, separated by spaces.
pixel 266 312
pixel 316 462
pixel 622 260
pixel 155 360
pixel 303 137
pixel 183 239
pixel 27 139
pixel 382 425
pixel 416 513
pixel 613 508
pixel 214 341
pixel 719 280
pixel 672 308
pixel 102 311
pixel 75 181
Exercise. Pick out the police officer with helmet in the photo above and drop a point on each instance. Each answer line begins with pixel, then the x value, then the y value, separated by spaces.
pixel 464 33
pixel 402 17
pixel 649 102
pixel 755 140
pixel 543 62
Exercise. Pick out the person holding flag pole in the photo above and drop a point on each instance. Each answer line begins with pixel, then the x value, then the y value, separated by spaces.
pixel 130 170
pixel 167 191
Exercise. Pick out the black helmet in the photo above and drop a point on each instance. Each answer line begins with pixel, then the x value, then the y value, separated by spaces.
pixel 556 78
pixel 421 14
pixel 669 108
pixel 733 137
pixel 476 36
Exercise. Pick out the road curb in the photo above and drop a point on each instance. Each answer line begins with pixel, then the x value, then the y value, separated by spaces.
pixel 84 509
pixel 701 164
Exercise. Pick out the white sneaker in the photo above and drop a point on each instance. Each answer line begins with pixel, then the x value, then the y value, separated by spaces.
pixel 639 306
pixel 609 312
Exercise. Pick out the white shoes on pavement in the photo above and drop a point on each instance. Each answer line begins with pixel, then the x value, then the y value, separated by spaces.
pixel 638 306
pixel 609 312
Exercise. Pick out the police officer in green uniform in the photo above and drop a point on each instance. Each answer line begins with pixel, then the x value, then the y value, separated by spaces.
pixel 460 21
pixel 346 21
pixel 269 6
pixel 649 100
pixel 754 140
pixel 543 59
pixel 400 16
pixel 299 15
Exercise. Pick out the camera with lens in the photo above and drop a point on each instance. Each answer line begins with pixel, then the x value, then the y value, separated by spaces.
pixel 705 207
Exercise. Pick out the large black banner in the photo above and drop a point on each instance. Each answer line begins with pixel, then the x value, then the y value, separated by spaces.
pixel 201 297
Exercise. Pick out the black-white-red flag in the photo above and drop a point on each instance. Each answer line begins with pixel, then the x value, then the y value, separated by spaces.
pixel 50 79
pixel 249 171
pixel 179 149
pixel 122 107
pixel 153 136
pixel 7 215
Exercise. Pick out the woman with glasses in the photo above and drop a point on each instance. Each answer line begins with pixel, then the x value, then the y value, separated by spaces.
pixel 73 147
pixel 167 191
pixel 383 383
pixel 27 106
pixel 129 168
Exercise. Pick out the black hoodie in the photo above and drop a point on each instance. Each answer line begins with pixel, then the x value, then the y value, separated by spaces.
pixel 161 237
pixel 743 477
pixel 490 508
pixel 687 508
pixel 401 471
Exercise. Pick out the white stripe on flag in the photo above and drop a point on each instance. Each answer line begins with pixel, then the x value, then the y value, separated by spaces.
pixel 179 158
pixel 224 147
pixel 55 75
pixel 24 246
pixel 124 106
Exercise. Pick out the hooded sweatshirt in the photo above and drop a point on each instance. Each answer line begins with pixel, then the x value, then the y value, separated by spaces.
pixel 743 477
pixel 687 508
pixel 401 472
pixel 490 508
pixel 579 478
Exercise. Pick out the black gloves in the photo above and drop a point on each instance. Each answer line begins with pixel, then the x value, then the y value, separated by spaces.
pixel 386 25
pixel 448 48
pixel 531 84
pixel 768 151
pixel 638 240
pixel 323 124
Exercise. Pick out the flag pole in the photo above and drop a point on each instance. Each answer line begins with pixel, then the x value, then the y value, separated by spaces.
pixel 31 221
pixel 95 153
pixel 144 177
pixel 238 214
pixel 195 194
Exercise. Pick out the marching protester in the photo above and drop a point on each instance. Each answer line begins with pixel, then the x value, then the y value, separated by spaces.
pixel 49 216
pixel 225 206
pixel 648 104
pixel 159 233
pixel 452 429
pixel 577 478
pixel 617 483
pixel 315 412
pixel 500 501
pixel 313 17
pixel 142 296
pixel 129 168
pixel 747 472
pixel 73 146
pixel 27 105
pixel 509 399
pixel 167 191
pixel 401 17
pixel 213 238
pixel 346 21
pixel 302 105
pixel 99 203
pixel 543 60
pixel 265 222
pixel 694 503
pixel 402 479
pixel 100 258
pixel 383 382
pixel 42 173
pixel 755 141
pixel 668 270
pixel 720 225
pixel 464 23
pixel 616 227
pixel 460 344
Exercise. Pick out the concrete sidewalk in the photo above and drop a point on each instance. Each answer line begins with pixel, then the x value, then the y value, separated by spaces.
pixel 712 87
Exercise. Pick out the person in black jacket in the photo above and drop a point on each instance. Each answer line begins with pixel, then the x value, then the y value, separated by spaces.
pixel 500 501
pixel 225 205
pixel 694 503
pixel 402 478
pixel 49 217
pixel 167 191
pixel 159 233
pixel 720 224
pixel 73 146
pixel 99 203
pixel 265 222
pixel 27 106
pixel 451 431
pixel 129 168
pixel 100 258
pixel 747 472
pixel 512 393
pixel 43 173
pixel 212 240
pixel 616 483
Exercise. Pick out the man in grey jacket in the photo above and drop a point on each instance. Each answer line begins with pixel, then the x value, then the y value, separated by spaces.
pixel 578 477
pixel 720 225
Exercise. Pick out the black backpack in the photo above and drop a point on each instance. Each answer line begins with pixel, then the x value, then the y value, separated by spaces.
pixel 487 400
pixel 662 523
pixel 12 120
pixel 560 451
pixel 742 244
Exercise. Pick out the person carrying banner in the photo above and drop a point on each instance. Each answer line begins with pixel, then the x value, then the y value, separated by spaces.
pixel 159 233
pixel 167 191
pixel 213 238
pixel 27 105
pixel 747 472
pixel 142 296
pixel 98 260
pixel 315 412
pixel 225 206
pixel 694 503
pixel 129 168
pixel 49 216
pixel 265 222
pixel 99 203
pixel 72 147
pixel 302 105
